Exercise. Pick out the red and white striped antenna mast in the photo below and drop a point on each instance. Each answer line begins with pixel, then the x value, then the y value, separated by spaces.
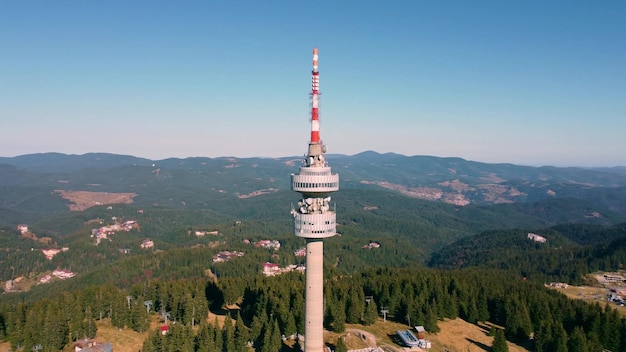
pixel 315 86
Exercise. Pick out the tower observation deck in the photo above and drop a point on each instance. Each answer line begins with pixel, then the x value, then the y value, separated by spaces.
pixel 314 220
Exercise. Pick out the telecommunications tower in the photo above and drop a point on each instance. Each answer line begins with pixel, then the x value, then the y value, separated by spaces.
pixel 314 220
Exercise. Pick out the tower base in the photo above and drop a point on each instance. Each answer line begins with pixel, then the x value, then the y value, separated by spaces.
pixel 314 296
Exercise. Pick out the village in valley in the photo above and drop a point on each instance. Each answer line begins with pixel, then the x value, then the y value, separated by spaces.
pixel 105 232
pixel 99 234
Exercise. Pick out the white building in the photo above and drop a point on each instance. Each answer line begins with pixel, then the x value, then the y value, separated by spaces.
pixel 536 238
pixel 63 274
pixel 145 244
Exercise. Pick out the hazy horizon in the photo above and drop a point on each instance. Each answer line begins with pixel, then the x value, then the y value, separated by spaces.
pixel 302 155
pixel 528 83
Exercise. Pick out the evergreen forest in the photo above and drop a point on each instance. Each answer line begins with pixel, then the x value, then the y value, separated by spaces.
pixel 273 307
pixel 424 260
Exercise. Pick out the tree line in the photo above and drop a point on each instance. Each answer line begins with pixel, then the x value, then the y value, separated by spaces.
pixel 261 310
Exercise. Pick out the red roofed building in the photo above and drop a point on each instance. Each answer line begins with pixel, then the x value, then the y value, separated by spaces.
pixel 270 269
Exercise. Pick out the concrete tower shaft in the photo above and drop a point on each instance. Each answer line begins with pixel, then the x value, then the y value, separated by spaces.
pixel 314 220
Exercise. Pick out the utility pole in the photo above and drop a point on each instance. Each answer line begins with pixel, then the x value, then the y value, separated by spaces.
pixel 148 304
pixel 384 311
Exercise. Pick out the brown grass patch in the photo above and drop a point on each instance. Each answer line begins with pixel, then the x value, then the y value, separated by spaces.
pixel 81 200
pixel 125 340
pixel 592 295
pixel 460 336
pixel 455 335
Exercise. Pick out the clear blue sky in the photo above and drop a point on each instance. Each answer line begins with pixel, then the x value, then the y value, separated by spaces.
pixel 525 82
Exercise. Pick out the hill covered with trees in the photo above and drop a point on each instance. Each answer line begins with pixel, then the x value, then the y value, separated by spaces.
pixel 570 252
pixel 397 216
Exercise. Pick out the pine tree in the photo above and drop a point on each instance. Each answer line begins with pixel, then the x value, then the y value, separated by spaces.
pixel 338 318
pixel 277 341
pixel 483 309
pixel 543 336
pixel 270 343
pixel 371 313
pixel 139 318
pixel 341 346
pixel 228 334
pixel 241 335
pixel 118 312
pixel 451 306
pixel 205 339
pixel 610 324
pixel 188 310
pixel 499 342
pixel 290 325
pixel 578 341
pixel 77 322
pixel 154 342
pixel 16 327
pixel 90 324
pixel 430 323
pixel 218 337
pixel 559 338
pixel 472 311
pixel 179 338
pixel 354 306
pixel 201 307
pixel 517 320
pixel 622 329
pixel 256 327
pixel 56 328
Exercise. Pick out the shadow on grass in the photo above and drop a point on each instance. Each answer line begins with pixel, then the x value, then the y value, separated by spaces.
pixel 479 344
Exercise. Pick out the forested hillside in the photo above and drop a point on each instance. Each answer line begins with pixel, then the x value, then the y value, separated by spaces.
pixel 570 252
pixel 406 229
pixel 271 307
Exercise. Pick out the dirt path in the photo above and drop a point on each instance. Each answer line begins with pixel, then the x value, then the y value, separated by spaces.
pixel 365 336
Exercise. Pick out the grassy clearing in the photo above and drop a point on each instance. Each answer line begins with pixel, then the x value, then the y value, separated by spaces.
pixel 592 295
pixel 455 336
pixel 81 200
pixel 460 336
pixel 125 340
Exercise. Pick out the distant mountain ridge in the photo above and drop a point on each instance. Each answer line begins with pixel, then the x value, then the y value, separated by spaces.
pixel 450 180
pixel 59 162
